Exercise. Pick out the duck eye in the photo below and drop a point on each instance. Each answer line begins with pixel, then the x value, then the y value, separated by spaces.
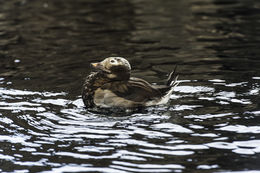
pixel 112 61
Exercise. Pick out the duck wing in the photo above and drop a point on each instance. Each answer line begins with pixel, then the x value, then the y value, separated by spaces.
pixel 135 89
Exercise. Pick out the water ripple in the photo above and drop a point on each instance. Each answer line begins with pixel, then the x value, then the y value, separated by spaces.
pixel 209 125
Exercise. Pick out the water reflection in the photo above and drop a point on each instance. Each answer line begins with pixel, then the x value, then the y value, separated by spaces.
pixel 209 125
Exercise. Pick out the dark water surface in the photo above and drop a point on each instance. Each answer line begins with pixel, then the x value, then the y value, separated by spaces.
pixel 212 123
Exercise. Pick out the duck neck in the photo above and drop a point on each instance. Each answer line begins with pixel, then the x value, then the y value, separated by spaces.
pixel 92 82
pixel 95 80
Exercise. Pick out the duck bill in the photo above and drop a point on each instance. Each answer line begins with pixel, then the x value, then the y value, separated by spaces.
pixel 98 66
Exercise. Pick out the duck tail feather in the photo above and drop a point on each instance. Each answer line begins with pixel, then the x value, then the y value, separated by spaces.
pixel 172 79
pixel 174 83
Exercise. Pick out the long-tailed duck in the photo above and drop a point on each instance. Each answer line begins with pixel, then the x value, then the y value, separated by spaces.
pixel 110 85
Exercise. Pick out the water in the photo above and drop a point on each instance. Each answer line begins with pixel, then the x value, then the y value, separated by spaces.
pixel 210 125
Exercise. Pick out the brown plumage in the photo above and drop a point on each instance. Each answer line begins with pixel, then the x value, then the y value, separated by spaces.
pixel 112 86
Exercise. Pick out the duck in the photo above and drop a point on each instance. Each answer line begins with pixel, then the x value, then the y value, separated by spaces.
pixel 111 85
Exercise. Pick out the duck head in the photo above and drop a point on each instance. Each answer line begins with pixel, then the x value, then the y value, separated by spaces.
pixel 114 68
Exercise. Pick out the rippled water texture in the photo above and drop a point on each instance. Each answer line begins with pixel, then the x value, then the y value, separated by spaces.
pixel 210 125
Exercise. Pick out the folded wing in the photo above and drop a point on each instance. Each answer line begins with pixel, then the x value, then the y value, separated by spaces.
pixel 135 89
